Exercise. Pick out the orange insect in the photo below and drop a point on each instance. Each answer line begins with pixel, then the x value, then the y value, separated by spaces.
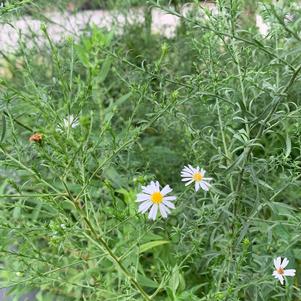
pixel 37 137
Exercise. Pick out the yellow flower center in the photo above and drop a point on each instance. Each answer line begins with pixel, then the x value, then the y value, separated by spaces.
pixel 157 197
pixel 280 271
pixel 197 177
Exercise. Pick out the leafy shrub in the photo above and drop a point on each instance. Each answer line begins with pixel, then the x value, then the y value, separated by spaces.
pixel 219 95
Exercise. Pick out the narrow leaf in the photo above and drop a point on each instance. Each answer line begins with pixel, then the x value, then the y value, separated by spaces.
pixel 288 142
pixel 3 128
pixel 105 70
pixel 149 245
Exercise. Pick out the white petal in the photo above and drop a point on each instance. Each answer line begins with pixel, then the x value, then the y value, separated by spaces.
pixel 186 174
pixel 187 169
pixel 157 186
pixel 277 263
pixel 166 190
pixel 275 273
pixel 281 279
pixel 207 183
pixel 163 210
pixel 203 171
pixel 188 183
pixel 144 206
pixel 59 129
pixel 70 121
pixel 75 123
pixel 284 263
pixel 167 210
pixel 204 186
pixel 197 186
pixel 141 197
pixel 153 185
pixel 192 168
pixel 153 212
pixel 168 204
pixel 290 272
pixel 147 189
pixel 169 198
pixel 187 179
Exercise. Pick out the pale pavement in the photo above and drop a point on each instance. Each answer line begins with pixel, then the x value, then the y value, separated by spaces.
pixel 65 24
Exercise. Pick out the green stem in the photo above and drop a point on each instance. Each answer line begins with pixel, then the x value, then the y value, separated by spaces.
pixel 101 243
pixel 263 124
pixel 254 42
pixel 115 259
pixel 30 195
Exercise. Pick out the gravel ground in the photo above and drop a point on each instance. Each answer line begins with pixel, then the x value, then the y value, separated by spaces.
pixel 66 24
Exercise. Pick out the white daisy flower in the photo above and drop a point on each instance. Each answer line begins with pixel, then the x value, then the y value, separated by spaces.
pixel 154 198
pixel 280 271
pixel 69 122
pixel 190 174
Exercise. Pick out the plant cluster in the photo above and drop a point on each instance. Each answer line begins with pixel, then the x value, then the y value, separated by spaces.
pixel 92 125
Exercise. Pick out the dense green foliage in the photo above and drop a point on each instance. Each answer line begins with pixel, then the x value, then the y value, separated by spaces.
pixel 218 95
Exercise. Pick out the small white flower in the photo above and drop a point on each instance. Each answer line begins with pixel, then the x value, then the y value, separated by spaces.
pixel 69 122
pixel 190 174
pixel 154 198
pixel 280 271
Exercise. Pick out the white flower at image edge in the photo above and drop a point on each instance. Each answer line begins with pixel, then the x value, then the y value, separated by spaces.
pixel 69 122
pixel 280 271
pixel 190 174
pixel 153 198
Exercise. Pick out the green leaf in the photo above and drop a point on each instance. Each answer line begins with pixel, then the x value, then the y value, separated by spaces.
pixel 236 162
pixel 122 99
pixel 288 143
pixel 281 208
pixel 104 70
pixel 263 183
pixel 149 245
pixel 114 176
pixel 3 128
pixel 17 212
pixel 175 279
pixel 145 281
pixel 83 56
